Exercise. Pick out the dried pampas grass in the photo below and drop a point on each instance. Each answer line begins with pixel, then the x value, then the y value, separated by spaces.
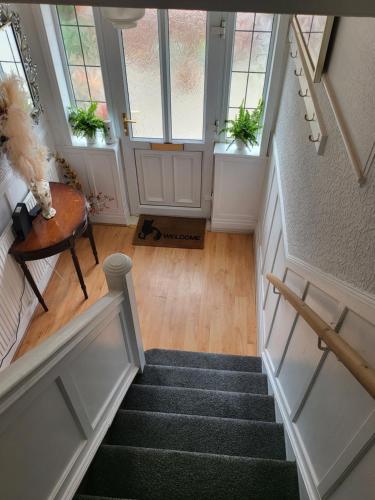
pixel 27 156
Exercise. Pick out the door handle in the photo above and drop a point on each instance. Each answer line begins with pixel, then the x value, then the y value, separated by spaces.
pixel 125 122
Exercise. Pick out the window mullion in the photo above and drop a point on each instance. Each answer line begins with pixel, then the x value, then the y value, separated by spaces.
pixel 165 73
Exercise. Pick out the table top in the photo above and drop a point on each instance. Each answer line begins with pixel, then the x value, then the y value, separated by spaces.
pixel 71 215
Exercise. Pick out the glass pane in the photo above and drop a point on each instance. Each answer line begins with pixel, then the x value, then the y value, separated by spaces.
pixel 254 89
pixel 315 42
pixel 237 89
pixel 141 49
pixel 9 68
pixel 90 46
pixel 72 44
pixel 13 44
pixel 259 52
pixel 66 14
pixel 305 23
pixel 244 21
pixel 5 50
pixel 94 76
pixel 241 50
pixel 187 46
pixel 79 82
pixel 263 22
pixel 102 110
pixel 318 24
pixel 85 15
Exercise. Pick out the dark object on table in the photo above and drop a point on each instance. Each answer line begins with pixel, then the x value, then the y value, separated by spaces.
pixel 50 237
pixel 34 212
pixel 21 221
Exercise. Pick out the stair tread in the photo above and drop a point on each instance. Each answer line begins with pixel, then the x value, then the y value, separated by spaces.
pixel 226 436
pixel 203 360
pixel 95 497
pixel 153 474
pixel 201 378
pixel 204 402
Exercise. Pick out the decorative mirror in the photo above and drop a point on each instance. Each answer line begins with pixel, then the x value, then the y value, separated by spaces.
pixel 314 33
pixel 15 57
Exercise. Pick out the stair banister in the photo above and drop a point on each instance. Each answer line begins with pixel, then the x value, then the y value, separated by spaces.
pixel 345 353
pixel 117 268
pixel 59 399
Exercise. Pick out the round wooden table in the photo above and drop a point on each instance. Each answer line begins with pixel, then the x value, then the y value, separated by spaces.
pixel 50 237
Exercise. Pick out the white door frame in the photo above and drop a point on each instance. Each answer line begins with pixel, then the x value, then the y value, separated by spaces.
pixel 215 54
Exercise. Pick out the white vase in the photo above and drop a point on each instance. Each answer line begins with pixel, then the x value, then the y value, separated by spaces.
pixel 239 144
pixel 42 194
pixel 108 132
pixel 91 140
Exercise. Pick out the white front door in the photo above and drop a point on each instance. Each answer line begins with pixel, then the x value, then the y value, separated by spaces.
pixel 171 78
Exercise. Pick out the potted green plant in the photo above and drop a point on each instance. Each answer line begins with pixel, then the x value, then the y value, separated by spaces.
pixel 244 129
pixel 85 123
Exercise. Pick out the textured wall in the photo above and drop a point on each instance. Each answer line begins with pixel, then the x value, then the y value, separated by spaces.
pixel 330 219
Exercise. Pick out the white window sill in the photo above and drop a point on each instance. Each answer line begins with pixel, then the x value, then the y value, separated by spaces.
pixel 80 143
pixel 222 149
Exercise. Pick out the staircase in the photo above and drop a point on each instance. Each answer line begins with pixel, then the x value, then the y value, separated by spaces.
pixel 194 426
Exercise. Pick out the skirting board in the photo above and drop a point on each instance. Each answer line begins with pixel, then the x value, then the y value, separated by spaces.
pixel 233 226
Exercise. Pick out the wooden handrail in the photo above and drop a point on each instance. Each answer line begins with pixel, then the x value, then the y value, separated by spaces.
pixel 349 357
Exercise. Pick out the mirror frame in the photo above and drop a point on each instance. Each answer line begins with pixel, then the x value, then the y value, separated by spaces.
pixel 315 71
pixel 9 17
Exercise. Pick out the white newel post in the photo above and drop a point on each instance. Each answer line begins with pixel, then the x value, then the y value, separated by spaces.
pixel 117 269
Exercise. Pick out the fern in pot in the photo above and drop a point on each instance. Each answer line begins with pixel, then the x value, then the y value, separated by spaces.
pixel 245 127
pixel 85 123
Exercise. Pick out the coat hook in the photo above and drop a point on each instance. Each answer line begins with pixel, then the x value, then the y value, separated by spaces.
pixel 320 346
pixel 298 74
pixel 303 95
pixel 293 56
pixel 311 138
pixel 310 119
pixel 276 292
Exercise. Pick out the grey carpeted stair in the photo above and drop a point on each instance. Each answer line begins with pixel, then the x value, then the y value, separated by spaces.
pixel 200 402
pixel 201 378
pixel 194 426
pixel 203 360
pixel 202 434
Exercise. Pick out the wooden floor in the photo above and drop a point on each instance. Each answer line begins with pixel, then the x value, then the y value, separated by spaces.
pixel 198 300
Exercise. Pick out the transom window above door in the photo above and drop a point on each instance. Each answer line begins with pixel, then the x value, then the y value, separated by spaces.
pixel 165 69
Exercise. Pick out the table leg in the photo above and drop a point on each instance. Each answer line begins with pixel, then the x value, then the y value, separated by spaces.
pixel 78 270
pixel 90 235
pixel 32 283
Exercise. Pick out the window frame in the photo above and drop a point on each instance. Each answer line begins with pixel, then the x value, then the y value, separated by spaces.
pixel 228 64
pixel 65 63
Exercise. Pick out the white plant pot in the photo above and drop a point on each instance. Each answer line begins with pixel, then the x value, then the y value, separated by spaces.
pixel 42 194
pixel 239 144
pixel 91 140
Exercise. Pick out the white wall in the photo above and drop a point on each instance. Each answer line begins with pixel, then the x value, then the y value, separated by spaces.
pixel 317 233
pixel 330 220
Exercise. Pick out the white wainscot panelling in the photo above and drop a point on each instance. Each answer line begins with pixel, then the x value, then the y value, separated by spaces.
pixel 271 298
pixel 303 355
pixel 337 419
pixel 237 189
pixel 28 436
pixel 169 178
pixel 104 361
pixel 361 482
pixel 100 171
pixel 284 321
pixel 271 249
pixel 269 212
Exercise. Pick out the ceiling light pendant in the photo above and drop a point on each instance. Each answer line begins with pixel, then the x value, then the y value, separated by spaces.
pixel 122 18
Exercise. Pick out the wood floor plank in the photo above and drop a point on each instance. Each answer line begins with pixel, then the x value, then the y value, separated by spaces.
pixel 198 300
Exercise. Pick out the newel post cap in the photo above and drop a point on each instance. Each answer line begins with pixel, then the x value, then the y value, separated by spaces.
pixel 117 264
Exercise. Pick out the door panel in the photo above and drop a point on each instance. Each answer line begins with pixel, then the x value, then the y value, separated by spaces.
pixel 186 177
pixel 152 173
pixel 169 178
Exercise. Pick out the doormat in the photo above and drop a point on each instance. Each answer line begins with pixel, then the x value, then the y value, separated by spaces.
pixel 172 232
